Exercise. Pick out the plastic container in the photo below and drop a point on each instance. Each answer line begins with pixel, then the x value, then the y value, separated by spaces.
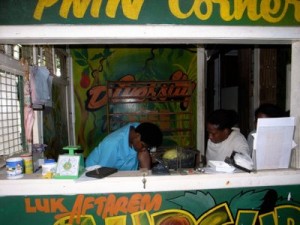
pixel 38 156
pixel 28 166
pixel 14 168
pixel 49 168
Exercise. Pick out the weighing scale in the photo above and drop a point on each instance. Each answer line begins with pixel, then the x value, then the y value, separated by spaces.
pixel 69 166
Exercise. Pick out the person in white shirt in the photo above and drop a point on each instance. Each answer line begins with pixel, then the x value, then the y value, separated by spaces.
pixel 223 136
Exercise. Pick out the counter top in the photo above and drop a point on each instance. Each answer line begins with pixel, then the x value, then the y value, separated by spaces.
pixel 131 181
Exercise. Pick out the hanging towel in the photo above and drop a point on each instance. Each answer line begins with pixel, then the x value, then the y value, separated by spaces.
pixel 28 112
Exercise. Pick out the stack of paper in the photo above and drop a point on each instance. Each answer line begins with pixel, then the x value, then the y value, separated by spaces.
pixel 221 166
pixel 274 142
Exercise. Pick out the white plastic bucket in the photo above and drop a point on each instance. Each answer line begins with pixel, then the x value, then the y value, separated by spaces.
pixel 14 168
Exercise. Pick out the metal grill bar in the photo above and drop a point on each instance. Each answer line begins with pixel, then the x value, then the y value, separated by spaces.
pixel 10 115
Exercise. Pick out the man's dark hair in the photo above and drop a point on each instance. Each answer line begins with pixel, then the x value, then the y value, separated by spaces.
pixel 223 118
pixel 150 134
pixel 270 110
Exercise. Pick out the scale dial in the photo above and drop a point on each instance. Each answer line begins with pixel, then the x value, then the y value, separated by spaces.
pixel 68 165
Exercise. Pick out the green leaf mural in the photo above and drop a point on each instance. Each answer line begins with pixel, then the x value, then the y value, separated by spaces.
pixel 196 203
pixel 245 200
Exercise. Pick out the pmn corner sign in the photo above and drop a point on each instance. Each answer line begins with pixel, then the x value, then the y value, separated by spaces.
pixel 185 12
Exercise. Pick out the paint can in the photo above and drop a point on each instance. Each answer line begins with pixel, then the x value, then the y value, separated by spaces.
pixel 28 166
pixel 14 168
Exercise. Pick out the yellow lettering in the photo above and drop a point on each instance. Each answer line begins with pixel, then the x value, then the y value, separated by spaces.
pixel 176 11
pixel 202 9
pixel 96 5
pixel 141 217
pixel 208 9
pixel 174 216
pixel 288 214
pixel 224 9
pixel 131 8
pixel 246 216
pixel 79 8
pixel 269 9
pixel 41 5
pixel 116 220
pixel 111 8
pixel 218 215
pixel 240 7
pixel 205 12
pixel 296 4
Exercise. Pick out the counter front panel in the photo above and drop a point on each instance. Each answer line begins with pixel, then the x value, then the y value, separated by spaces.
pixel 271 197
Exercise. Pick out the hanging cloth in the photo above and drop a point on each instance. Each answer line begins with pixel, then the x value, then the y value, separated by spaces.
pixel 41 85
pixel 28 111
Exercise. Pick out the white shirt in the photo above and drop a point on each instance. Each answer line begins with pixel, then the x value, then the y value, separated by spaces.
pixel 250 140
pixel 235 142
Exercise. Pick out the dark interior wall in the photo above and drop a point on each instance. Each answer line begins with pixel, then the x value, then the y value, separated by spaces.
pixel 237 70
pixel 245 83
pixel 283 59
pixel 268 75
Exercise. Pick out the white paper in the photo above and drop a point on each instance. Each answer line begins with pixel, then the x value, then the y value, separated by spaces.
pixel 274 142
pixel 221 166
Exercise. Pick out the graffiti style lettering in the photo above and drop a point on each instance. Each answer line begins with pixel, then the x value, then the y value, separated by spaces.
pixel 97 98
pixel 117 220
pixel 267 218
pixel 246 217
pixel 271 11
pixel 131 8
pixel 173 216
pixel 106 206
pixel 286 214
pixel 115 210
pixel 45 205
pixel 111 203
pixel 218 215
pixel 152 91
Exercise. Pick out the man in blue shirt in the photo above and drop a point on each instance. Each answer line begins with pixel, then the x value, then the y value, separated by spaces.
pixel 127 148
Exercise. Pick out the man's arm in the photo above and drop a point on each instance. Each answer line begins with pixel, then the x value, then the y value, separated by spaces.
pixel 144 159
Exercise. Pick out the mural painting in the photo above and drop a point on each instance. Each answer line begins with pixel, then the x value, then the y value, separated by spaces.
pixel 247 206
pixel 94 67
